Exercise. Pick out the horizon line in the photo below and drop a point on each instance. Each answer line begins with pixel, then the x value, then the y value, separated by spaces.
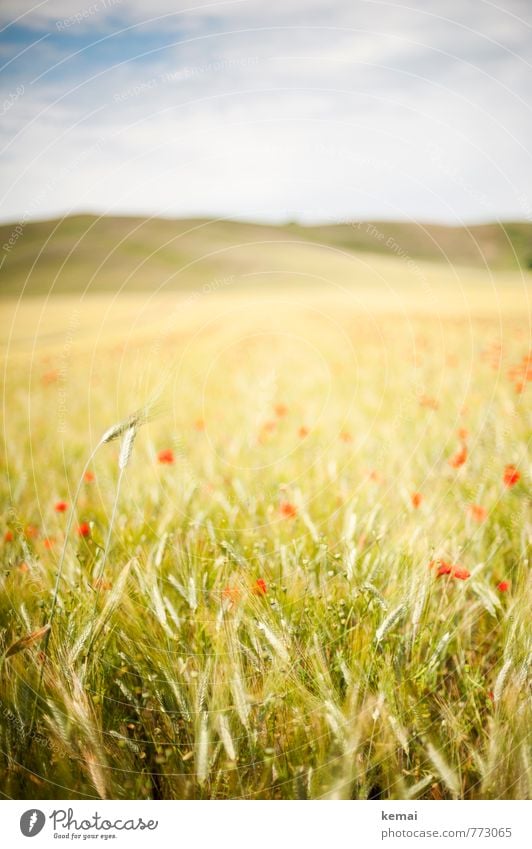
pixel 270 222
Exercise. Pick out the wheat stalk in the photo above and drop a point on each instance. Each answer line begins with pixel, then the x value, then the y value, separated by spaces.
pixel 501 681
pixel 126 448
pixel 388 623
pixel 25 642
pixel 128 429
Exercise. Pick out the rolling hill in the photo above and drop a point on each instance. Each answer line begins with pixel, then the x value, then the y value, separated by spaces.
pixel 100 254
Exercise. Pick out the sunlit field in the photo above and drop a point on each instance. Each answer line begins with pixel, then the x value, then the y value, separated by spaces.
pixel 300 572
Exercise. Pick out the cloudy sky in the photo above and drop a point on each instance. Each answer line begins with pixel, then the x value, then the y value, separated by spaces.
pixel 267 109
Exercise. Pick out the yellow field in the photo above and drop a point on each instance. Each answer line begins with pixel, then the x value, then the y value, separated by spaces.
pixel 263 620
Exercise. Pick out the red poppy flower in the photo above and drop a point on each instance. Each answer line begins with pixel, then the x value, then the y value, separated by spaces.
pixel 32 532
pixel 88 477
pixel 288 510
pixel 102 584
pixel 166 455
pixel 280 410
pixel 8 536
pixel 60 506
pixel 459 458
pixel 478 513
pixel 430 403
pixel 521 373
pixel 503 586
pixel 48 542
pixel 345 436
pixel 50 376
pixel 260 587
pixel 303 432
pixel 84 530
pixel 444 567
pixel 199 424
pixel 511 476
pixel 416 499
pixel 463 433
pixel 23 567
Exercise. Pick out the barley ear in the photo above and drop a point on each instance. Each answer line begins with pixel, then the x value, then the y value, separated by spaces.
pixel 127 446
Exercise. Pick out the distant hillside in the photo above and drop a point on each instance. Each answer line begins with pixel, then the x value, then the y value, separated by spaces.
pixel 507 245
pixel 108 254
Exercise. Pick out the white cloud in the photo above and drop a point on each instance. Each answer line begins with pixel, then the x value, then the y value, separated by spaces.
pixel 311 109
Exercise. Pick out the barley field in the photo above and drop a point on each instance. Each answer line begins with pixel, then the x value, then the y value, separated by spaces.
pixel 298 562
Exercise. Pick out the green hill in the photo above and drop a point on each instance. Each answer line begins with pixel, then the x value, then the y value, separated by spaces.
pixel 137 254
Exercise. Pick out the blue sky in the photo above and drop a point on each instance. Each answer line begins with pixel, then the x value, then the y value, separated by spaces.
pixel 288 109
